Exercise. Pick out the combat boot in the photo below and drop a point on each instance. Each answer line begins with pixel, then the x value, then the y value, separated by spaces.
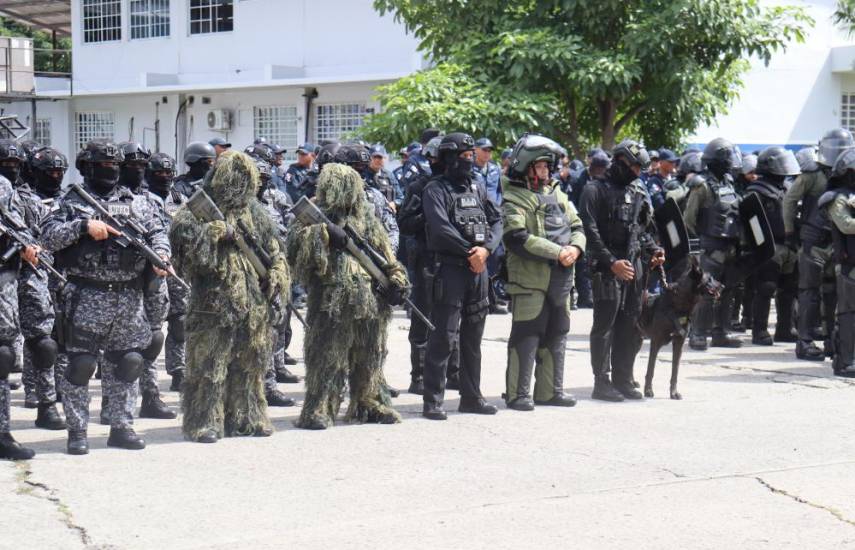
pixel 786 336
pixel 698 342
pixel 285 376
pixel 49 418
pixel 521 404
pixel 12 450
pixel 762 338
pixel 78 443
pixel 177 378
pixel 721 339
pixel 808 351
pixel 125 438
pixel 31 400
pixel 105 411
pixel 276 398
pixel 154 407
pixel 289 360
pixel 432 411
pixel 417 386
pixel 560 399
pixel 476 405
pixel 604 391
pixel 628 390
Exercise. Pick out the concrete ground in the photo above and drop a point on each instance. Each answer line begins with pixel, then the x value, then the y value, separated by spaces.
pixel 759 454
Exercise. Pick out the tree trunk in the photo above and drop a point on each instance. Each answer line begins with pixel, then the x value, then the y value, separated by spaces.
pixel 573 124
pixel 608 113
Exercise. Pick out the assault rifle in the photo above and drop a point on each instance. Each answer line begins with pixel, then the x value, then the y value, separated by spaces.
pixel 20 241
pixel 634 251
pixel 131 234
pixel 370 259
pixel 204 208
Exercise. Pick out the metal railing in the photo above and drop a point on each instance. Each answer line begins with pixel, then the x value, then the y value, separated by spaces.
pixel 20 65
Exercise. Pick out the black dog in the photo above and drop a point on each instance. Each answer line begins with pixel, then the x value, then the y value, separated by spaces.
pixel 665 318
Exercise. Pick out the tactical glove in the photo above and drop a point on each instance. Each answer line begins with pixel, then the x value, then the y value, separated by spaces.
pixel 338 237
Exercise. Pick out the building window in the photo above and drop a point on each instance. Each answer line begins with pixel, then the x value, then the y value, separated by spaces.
pixel 92 125
pixel 149 18
pixel 278 125
pixel 41 131
pixel 211 16
pixel 336 121
pixel 847 111
pixel 102 20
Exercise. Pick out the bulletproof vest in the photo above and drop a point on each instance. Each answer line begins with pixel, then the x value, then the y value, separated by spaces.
pixel 381 182
pixel 720 220
pixel 89 254
pixel 844 245
pixel 815 228
pixel 772 199
pixel 555 222
pixel 626 204
pixel 467 213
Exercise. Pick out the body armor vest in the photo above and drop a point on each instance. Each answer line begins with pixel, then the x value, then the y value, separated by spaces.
pixel 467 214
pixel 626 204
pixel 816 227
pixel 720 220
pixel 87 253
pixel 555 222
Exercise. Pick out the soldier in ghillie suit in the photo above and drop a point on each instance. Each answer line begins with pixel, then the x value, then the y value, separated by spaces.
pixel 230 318
pixel 348 320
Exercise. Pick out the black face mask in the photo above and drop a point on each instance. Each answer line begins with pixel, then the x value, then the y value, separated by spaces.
pixel 620 173
pixel 104 178
pixel 11 173
pixel 460 169
pixel 46 184
pixel 159 184
pixel 198 170
pixel 132 176
pixel 848 179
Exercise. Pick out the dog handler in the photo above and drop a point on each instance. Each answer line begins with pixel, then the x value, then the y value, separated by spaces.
pixel 544 237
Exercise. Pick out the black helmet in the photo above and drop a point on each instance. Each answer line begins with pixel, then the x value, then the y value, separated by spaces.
pixel 160 162
pixel 690 163
pixel 632 151
pixel 844 163
pixel 261 151
pixel 832 144
pixel 532 148
pixel 197 151
pixel 428 134
pixel 431 148
pixel 456 143
pixel 98 150
pixel 352 155
pixel 48 158
pixel 11 150
pixel 134 151
pixel 777 161
pixel 722 155
pixel 327 153
pixel 264 170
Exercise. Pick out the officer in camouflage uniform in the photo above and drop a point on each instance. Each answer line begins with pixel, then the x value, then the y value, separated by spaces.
pixel 37 292
pixel 199 157
pixel 775 277
pixel 298 172
pixel 544 237
pixel 103 300
pixel 278 206
pixel 817 292
pixel 379 177
pixel 9 328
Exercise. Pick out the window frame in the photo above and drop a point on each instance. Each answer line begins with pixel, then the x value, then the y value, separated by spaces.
pixel 149 15
pixel 118 28
pixel 78 142
pixel 211 5
pixel 40 128
pixel 284 118
pixel 316 118
pixel 847 110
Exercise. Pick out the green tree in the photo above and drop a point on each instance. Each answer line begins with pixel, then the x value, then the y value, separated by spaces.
pixel 598 69
pixel 45 61
pixel 844 14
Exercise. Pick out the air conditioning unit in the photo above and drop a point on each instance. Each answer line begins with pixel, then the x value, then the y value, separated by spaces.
pixel 219 120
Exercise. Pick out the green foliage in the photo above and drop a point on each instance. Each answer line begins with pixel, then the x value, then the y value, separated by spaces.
pixel 663 66
pixel 844 14
pixel 44 61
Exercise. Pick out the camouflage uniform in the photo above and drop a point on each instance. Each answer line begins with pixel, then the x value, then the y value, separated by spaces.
pixel 103 301
pixel 175 353
pixel 384 214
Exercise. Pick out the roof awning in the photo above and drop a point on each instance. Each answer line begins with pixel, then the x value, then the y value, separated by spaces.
pixel 46 15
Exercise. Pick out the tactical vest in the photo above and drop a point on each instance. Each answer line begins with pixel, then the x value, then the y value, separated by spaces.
pixel 467 213
pixel 381 182
pixel 555 222
pixel 772 199
pixel 844 245
pixel 626 205
pixel 816 227
pixel 89 254
pixel 720 220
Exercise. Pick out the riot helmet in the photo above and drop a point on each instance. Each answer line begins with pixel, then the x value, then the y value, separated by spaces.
pixel 261 151
pixel 690 163
pixel 160 173
pixel 12 157
pixel 354 155
pixel 721 157
pixel 832 144
pixel 199 156
pixel 99 163
pixel 777 161
pixel 628 154
pixel 48 167
pixel 807 159
pixel 529 150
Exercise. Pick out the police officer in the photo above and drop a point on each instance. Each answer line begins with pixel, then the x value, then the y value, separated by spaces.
pixel 29 147
pixel 37 293
pixel 417 165
pixel 220 145
pixel 712 213
pixel 688 175
pixel 659 179
pixel 160 175
pixel 103 300
pixel 598 163
pixel 776 277
pixel 463 227
pixel 199 157
pixel 298 172
pixel 9 329
pixel 487 173
pixel 817 292
pixel 618 220
pixel 839 203
pixel 544 237
pixel 132 169
pixel 379 177
pixel 404 153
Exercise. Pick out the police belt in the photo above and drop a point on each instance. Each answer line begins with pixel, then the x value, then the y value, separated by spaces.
pixel 113 286
pixel 451 260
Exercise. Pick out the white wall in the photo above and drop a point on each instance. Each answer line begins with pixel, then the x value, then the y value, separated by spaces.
pixel 338 39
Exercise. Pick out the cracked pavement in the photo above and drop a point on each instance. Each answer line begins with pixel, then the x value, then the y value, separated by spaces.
pixel 759 454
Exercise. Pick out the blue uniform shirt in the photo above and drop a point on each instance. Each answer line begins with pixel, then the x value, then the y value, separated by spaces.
pixel 490 175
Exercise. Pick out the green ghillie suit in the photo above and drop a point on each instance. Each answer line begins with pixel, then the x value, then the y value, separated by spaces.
pixel 229 322
pixel 348 321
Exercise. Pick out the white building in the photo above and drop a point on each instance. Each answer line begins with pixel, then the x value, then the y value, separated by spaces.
pixel 168 72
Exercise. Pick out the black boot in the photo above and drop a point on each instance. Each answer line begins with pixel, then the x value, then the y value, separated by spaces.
pixel 721 339
pixel 628 390
pixel 78 444
pixel 289 360
pixel 521 404
pixel 476 405
pixel 762 338
pixel 276 398
pixel 285 376
pixel 808 351
pixel 105 411
pixel 153 407
pixel 604 391
pixel 125 438
pixel 12 450
pixel 698 342
pixel 208 436
pixel 417 386
pixel 49 418
pixel 560 399
pixel 31 400
pixel 177 378
pixel 432 411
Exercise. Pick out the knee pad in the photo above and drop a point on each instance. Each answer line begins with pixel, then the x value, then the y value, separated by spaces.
pixel 153 350
pixel 81 367
pixel 176 328
pixel 129 364
pixel 7 361
pixel 44 350
pixel 767 288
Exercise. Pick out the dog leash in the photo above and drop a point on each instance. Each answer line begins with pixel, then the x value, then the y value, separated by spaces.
pixel 664 278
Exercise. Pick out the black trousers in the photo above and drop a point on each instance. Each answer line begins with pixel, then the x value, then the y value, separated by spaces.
pixel 615 337
pixel 459 313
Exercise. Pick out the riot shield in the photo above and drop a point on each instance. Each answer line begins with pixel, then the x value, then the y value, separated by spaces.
pixel 673 235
